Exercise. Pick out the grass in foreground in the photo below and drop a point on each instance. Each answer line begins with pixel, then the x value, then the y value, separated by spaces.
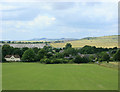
pixel 35 76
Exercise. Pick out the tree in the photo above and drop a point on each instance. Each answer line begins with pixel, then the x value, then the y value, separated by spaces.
pixel 24 49
pixel 17 51
pixel 28 55
pixel 71 51
pixel 48 55
pixel 105 57
pixel 68 45
pixel 116 56
pixel 88 50
pixel 85 60
pixel 59 55
pixel 41 54
pixel 7 50
pixel 78 59
pixel 92 58
pixel 35 49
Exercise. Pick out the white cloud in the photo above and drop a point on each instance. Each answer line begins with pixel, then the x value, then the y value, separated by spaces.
pixel 81 19
pixel 60 0
pixel 40 22
pixel 7 7
pixel 53 18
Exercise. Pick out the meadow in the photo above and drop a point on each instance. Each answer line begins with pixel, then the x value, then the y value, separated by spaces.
pixel 36 76
pixel 104 42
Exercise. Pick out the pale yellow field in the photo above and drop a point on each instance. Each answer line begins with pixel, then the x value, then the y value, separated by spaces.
pixel 115 63
pixel 105 42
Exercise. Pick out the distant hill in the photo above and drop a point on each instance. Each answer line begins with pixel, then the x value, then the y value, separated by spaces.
pixel 104 41
pixel 47 39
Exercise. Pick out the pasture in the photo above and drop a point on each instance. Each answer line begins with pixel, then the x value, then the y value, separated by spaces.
pixel 105 42
pixel 36 76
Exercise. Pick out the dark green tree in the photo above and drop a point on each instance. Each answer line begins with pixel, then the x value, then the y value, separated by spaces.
pixel 41 54
pixel 116 56
pixel 59 55
pixel 24 49
pixel 105 57
pixel 92 58
pixel 71 51
pixel 68 45
pixel 29 55
pixel 78 59
pixel 35 49
pixel 17 51
pixel 7 50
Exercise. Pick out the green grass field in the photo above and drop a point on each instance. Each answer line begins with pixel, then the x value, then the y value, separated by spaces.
pixel 35 76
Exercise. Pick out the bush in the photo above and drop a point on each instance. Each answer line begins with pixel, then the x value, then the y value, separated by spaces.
pixel 71 61
pixel 85 60
pixel 65 61
pixel 45 61
pixel 57 61
pixel 78 59
pixel 105 57
pixel 91 58
pixel 100 60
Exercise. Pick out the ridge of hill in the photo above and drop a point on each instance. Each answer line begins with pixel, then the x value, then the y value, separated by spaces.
pixel 103 41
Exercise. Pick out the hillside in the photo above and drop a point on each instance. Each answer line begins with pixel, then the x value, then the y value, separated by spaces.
pixel 104 41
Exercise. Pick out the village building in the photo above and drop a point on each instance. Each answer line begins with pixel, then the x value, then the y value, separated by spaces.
pixel 61 51
pixel 12 58
pixel 87 55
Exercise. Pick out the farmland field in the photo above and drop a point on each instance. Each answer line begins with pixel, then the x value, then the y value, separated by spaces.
pixel 35 76
pixel 105 42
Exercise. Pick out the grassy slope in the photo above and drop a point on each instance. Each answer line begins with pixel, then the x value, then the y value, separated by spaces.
pixel 105 41
pixel 29 76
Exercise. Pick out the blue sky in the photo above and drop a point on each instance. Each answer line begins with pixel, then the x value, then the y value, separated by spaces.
pixel 27 20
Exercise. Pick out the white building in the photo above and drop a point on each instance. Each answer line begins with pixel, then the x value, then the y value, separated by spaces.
pixel 12 58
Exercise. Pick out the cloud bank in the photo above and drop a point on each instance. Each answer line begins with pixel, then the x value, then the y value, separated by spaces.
pixel 22 21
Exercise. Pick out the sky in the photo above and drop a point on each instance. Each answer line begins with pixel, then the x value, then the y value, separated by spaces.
pixel 28 20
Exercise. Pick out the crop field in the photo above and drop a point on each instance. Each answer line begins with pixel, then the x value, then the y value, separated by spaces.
pixel 36 76
pixel 105 42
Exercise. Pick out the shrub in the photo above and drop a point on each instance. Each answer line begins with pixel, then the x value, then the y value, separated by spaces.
pixel 85 60
pixel 105 57
pixel 65 61
pixel 57 61
pixel 45 61
pixel 78 59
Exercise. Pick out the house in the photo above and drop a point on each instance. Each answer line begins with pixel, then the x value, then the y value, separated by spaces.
pixel 12 58
pixel 87 55
pixel 61 51
pixel 70 56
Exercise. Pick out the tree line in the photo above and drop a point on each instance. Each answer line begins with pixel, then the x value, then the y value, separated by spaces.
pixel 49 55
